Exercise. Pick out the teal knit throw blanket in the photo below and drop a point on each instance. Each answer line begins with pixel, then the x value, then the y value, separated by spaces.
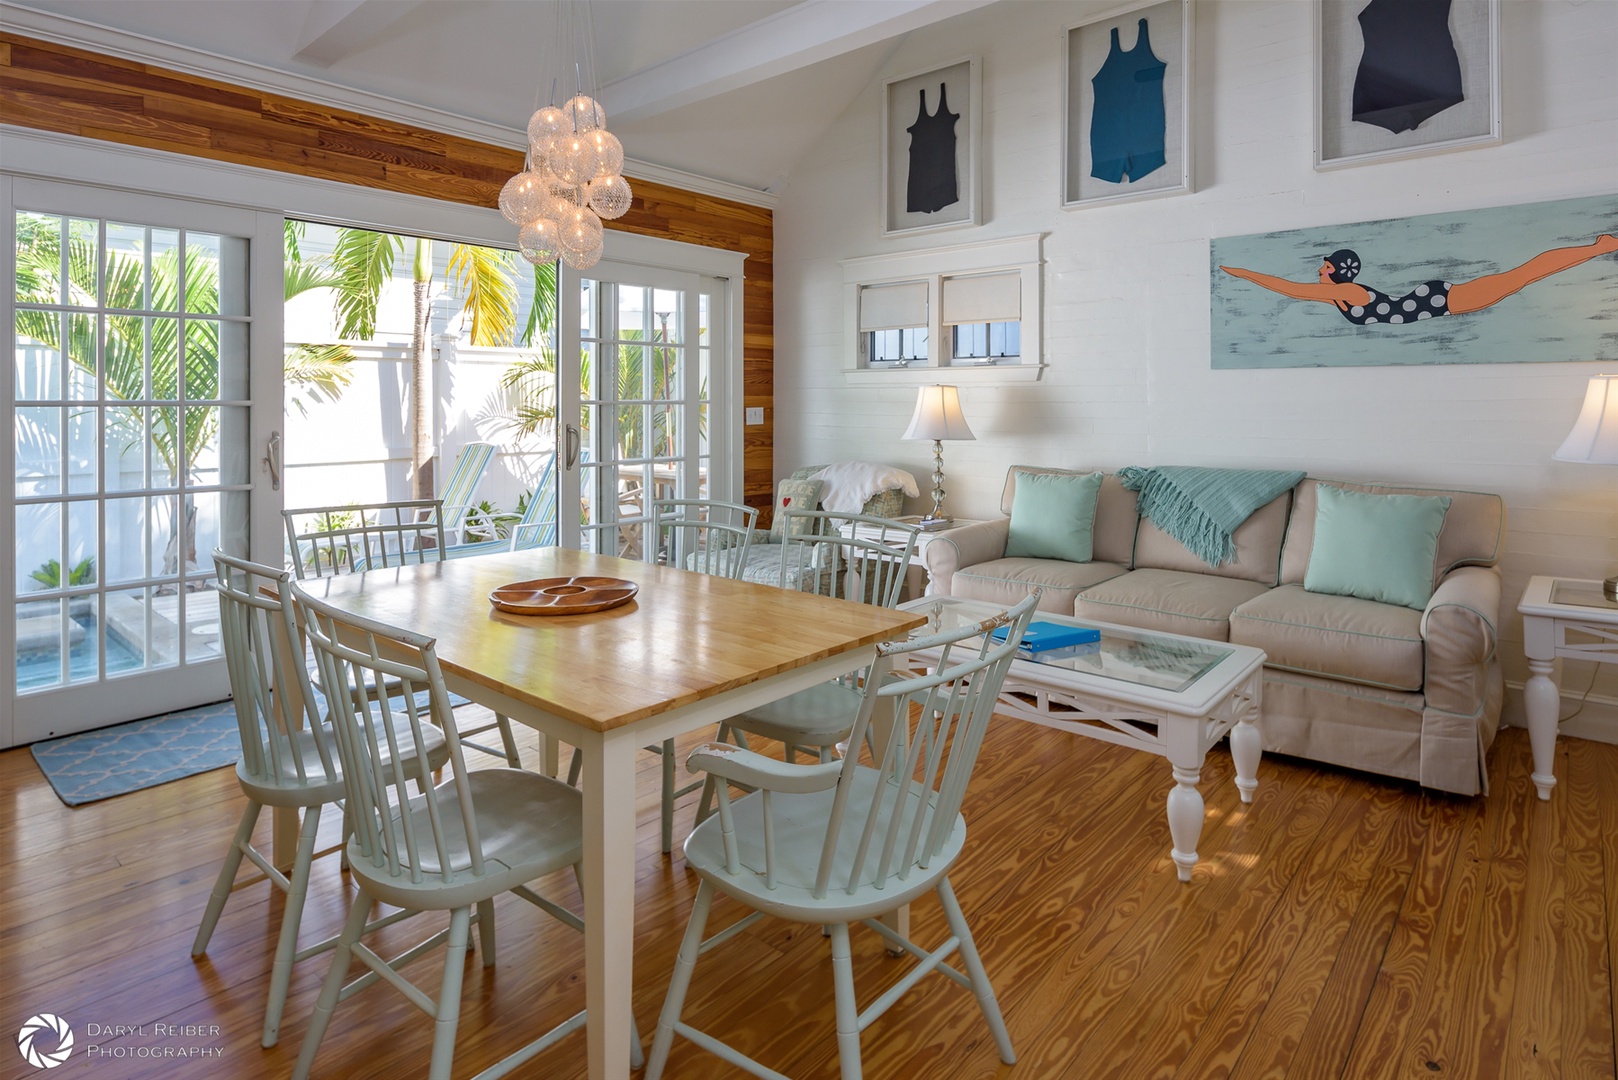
pixel 1201 507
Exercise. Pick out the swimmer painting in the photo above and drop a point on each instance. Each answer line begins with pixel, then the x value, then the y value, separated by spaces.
pixel 1511 284
pixel 1365 306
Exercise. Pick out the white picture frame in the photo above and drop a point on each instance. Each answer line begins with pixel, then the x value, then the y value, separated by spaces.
pixel 1341 141
pixel 902 95
pixel 1086 48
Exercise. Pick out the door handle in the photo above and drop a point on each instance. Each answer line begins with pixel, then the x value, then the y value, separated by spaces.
pixel 572 446
pixel 271 462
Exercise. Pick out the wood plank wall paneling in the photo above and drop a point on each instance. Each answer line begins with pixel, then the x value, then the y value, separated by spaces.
pixel 59 88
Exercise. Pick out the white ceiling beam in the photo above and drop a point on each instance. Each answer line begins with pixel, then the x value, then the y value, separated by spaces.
pixel 804 34
pixel 336 29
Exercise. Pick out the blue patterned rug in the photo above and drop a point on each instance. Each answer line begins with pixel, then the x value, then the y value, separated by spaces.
pixel 145 753
pixel 142 754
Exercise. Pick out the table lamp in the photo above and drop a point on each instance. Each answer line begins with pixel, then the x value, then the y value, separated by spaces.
pixel 938 417
pixel 1594 439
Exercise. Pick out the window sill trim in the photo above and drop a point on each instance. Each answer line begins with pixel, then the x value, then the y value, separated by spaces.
pixel 974 375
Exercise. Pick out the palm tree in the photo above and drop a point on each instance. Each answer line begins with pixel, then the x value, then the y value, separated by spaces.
pixel 362 264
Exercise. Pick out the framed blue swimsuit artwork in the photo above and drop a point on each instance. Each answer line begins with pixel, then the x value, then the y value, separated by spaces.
pixel 1126 134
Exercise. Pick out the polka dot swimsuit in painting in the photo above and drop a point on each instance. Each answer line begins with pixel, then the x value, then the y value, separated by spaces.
pixel 1428 300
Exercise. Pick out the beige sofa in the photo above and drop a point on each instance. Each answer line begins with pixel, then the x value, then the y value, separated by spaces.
pixel 1391 690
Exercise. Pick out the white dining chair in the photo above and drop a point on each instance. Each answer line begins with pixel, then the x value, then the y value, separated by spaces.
pixel 330 540
pixel 821 554
pixel 841 842
pixel 704 536
pixel 288 760
pixel 451 847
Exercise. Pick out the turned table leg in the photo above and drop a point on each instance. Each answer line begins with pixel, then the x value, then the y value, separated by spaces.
pixel 1185 819
pixel 1542 699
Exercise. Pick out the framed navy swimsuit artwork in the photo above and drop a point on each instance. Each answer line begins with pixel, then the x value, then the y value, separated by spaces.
pixel 1126 132
pixel 1397 78
pixel 930 149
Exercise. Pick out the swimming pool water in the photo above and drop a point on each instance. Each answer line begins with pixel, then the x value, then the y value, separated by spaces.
pixel 38 668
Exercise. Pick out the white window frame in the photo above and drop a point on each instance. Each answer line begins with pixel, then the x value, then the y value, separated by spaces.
pixel 1020 255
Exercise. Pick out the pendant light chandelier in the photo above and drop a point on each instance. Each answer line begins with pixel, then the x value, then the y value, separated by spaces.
pixel 572 176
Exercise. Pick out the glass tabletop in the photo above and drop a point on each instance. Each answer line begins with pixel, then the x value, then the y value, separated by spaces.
pixel 1581 594
pixel 1140 657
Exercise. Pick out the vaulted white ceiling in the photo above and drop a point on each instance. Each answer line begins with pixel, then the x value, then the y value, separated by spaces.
pixel 733 90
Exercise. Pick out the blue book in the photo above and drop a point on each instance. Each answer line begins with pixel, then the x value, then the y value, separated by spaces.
pixel 1048 635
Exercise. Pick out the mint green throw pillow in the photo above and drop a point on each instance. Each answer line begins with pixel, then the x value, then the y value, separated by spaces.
pixel 1375 547
pixel 1053 516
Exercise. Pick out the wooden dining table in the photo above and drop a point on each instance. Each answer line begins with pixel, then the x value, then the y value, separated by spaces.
pixel 688 651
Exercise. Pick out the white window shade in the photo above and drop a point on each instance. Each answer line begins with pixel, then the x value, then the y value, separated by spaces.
pixel 982 298
pixel 892 307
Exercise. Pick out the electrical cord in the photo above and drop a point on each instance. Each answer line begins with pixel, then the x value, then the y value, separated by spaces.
pixel 1595 671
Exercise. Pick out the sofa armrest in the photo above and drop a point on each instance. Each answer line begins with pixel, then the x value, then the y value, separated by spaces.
pixel 956 549
pixel 1460 631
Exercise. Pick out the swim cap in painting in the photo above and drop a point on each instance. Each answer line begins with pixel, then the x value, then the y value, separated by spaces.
pixel 1345 265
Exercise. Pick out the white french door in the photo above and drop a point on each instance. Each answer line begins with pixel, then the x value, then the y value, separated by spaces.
pixel 146 387
pixel 643 379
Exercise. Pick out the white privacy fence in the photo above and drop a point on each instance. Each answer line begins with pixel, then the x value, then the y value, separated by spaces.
pixel 357 449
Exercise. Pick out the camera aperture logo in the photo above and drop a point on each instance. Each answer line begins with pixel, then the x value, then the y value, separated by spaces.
pixel 45 1041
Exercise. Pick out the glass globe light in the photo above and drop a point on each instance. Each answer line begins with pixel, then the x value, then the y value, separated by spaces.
pixel 583 260
pixel 573 159
pixel 524 197
pixel 584 113
pixel 610 196
pixel 545 124
pixel 580 230
pixel 539 241
pixel 609 152
pixel 539 156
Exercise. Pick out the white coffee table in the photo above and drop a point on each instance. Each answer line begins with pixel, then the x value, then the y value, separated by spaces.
pixel 1170 695
pixel 1561 617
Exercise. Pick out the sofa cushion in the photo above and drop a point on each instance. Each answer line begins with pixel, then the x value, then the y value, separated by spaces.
pixel 1053 517
pixel 1375 547
pixel 1175 602
pixel 1343 637
pixel 1258 546
pixel 1006 581
pixel 1473 530
pixel 1114 537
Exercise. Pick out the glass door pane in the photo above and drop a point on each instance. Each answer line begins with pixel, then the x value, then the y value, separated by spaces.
pixel 639 407
pixel 130 446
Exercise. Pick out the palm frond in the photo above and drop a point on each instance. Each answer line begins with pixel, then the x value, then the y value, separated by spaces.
pixel 318 373
pixel 481 276
pixel 363 263
pixel 542 312
pixel 301 277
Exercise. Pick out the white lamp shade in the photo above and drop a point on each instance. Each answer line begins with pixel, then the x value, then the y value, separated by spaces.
pixel 1594 438
pixel 938 415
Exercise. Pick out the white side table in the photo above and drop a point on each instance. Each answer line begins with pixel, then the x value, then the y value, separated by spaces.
pixel 1562 617
pixel 917 581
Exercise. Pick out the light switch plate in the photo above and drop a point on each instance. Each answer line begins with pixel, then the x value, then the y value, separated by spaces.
pixel 755 416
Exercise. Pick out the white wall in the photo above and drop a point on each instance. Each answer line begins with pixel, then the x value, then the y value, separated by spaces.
pixel 1126 286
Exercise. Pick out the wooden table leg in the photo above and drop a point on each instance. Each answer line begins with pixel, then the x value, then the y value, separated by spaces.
pixel 609 901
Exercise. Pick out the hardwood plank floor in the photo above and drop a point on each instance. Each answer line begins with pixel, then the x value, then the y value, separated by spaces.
pixel 1343 926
